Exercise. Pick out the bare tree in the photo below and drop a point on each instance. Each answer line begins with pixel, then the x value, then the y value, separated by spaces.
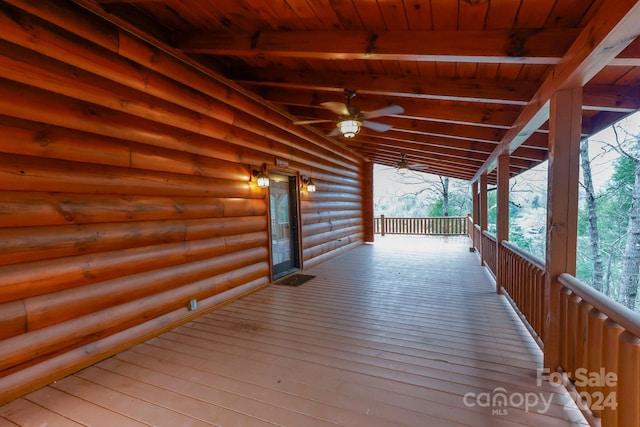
pixel 445 194
pixel 631 258
pixel 440 186
pixel 594 235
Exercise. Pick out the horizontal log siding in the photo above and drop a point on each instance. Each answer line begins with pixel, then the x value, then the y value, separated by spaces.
pixel 331 220
pixel 125 191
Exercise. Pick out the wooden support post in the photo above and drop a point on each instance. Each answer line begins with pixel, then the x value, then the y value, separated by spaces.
pixel 502 226
pixel 483 215
pixel 367 201
pixel 565 124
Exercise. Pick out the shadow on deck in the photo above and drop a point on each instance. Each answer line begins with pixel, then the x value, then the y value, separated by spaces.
pixel 406 332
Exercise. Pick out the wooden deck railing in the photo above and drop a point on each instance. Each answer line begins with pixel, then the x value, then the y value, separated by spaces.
pixel 477 238
pixel 599 338
pixel 446 225
pixel 523 281
pixel 490 251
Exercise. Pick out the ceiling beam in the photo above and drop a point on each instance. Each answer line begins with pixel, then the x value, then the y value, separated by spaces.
pixel 432 165
pixel 530 154
pixel 599 97
pixel 484 148
pixel 402 146
pixel 472 113
pixel 433 129
pixel 520 46
pixel 614 98
pixel 523 160
pixel 507 92
pixel 602 120
pixel 630 56
pixel 128 1
pixel 610 31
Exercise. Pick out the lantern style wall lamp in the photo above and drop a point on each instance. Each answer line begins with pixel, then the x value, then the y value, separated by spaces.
pixel 262 179
pixel 309 185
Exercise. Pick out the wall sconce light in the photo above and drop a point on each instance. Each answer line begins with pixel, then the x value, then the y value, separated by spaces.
pixel 309 184
pixel 349 128
pixel 262 179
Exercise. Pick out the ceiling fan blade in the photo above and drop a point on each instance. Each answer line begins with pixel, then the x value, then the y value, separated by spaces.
pixel 310 122
pixel 337 107
pixel 334 132
pixel 378 127
pixel 389 110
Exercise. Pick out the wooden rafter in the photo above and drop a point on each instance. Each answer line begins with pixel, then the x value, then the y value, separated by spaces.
pixel 459 89
pixel 522 46
pixel 488 115
pixel 471 77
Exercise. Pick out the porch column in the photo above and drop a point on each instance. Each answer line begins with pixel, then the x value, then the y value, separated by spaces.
pixel 502 226
pixel 367 201
pixel 565 125
pixel 483 214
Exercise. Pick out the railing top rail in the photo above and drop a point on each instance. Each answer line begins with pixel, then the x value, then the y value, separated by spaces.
pixel 537 262
pixel 424 217
pixel 625 317
pixel 489 235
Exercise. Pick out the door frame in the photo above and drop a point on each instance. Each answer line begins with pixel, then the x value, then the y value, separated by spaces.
pixel 297 245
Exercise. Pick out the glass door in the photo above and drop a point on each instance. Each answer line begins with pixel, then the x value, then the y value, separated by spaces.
pixel 285 245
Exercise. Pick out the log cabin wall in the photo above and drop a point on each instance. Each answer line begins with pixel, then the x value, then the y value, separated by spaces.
pixel 125 192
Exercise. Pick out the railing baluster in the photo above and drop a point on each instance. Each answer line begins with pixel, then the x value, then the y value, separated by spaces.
pixel 628 392
pixel 620 352
pixel 582 338
pixel 565 294
pixel 595 332
pixel 571 333
pixel 436 226
pixel 610 338
pixel 540 277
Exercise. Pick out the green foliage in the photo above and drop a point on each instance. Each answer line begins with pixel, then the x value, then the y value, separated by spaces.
pixel 492 215
pixel 624 171
pixel 613 202
pixel 436 208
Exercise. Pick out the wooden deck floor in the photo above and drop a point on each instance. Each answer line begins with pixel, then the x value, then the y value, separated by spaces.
pixel 391 334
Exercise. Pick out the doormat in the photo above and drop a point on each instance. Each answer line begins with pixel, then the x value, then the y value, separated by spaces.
pixel 295 280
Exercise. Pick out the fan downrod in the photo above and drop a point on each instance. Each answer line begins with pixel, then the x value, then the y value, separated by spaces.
pixel 349 94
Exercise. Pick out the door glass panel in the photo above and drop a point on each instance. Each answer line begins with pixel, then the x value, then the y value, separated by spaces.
pixel 284 223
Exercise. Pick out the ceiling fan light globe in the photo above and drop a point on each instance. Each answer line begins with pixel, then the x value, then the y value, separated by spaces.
pixel 402 167
pixel 349 128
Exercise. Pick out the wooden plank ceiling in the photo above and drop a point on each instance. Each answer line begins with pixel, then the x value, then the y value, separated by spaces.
pixel 473 76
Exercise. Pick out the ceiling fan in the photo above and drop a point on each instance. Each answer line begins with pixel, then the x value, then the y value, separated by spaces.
pixel 350 119
pixel 403 167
